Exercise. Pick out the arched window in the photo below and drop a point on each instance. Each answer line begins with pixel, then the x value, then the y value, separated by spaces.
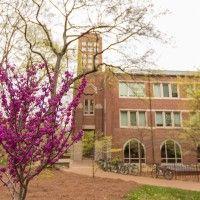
pixel 171 152
pixel 198 153
pixel 134 152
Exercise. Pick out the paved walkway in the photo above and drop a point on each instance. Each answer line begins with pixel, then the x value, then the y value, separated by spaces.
pixel 85 168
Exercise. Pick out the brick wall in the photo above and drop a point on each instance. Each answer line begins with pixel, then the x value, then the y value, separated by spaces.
pixel 107 110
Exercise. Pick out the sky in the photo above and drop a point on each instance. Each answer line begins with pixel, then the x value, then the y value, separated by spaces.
pixel 182 23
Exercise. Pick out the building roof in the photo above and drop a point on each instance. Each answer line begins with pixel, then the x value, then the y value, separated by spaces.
pixel 156 72
pixel 169 72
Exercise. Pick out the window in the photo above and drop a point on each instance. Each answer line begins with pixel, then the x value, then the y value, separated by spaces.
pixel 174 90
pixel 131 89
pixel 170 152
pixel 159 119
pixel 198 153
pixel 165 90
pixel 157 90
pixel 177 119
pixel 133 119
pixel 124 118
pixel 84 49
pixel 90 44
pixel 168 119
pixel 142 119
pixel 134 152
pixel 136 90
pixel 89 107
pixel 123 89
pixel 90 49
pixel 83 43
pixel 90 61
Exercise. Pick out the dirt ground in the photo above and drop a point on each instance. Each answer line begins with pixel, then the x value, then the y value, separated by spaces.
pixel 57 185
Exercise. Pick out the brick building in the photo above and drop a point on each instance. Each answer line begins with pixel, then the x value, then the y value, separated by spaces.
pixel 143 112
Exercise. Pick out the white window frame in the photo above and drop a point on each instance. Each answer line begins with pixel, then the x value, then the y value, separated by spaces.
pixel 128 118
pixel 172 118
pixel 129 158
pixel 89 102
pixel 170 91
pixel 175 142
pixel 163 118
pixel 128 94
pixel 137 119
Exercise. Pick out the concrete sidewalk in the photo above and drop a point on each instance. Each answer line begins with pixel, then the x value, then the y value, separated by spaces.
pixel 85 168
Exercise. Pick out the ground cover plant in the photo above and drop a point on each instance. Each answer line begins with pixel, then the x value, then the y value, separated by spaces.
pixel 162 193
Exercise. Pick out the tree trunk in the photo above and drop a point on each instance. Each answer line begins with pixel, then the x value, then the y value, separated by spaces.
pixel 21 194
pixel 56 74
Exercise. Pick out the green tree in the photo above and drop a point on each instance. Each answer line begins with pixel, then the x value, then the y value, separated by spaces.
pixel 192 124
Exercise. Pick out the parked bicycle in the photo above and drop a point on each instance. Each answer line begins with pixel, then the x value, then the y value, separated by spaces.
pixel 159 170
pixel 118 167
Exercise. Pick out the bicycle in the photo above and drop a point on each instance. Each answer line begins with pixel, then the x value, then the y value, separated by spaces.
pixel 162 171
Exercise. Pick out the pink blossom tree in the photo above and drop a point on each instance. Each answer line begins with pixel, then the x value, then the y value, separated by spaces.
pixel 35 123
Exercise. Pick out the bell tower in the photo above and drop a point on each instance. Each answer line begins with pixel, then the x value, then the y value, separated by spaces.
pixel 89 52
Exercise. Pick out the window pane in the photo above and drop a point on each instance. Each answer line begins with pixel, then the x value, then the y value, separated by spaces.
pixel 134 152
pixel 133 118
pixel 136 90
pixel 132 89
pixel 123 89
pixel 134 149
pixel 140 90
pixel 159 119
pixel 177 119
pixel 142 119
pixel 198 153
pixel 157 90
pixel 165 90
pixel 178 151
pixel 168 119
pixel 170 149
pixel 126 151
pixel 91 107
pixel 141 151
pixel 163 152
pixel 171 152
pixel 174 90
pixel 124 118
pixel 86 106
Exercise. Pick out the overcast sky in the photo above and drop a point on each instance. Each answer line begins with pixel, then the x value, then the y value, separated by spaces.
pixel 183 24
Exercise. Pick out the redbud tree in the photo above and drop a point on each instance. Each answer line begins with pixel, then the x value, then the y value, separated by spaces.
pixel 35 126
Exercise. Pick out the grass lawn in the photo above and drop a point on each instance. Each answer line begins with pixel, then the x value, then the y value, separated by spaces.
pixel 154 193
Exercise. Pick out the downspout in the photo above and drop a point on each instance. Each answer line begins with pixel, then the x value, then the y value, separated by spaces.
pixel 151 119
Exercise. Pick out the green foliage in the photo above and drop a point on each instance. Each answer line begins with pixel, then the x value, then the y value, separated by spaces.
pixel 154 193
pixel 88 144
pixel 103 148
pixel 115 161
pixel 192 124
pixel 3 161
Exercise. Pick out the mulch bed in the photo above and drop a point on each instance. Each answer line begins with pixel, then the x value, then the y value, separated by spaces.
pixel 57 185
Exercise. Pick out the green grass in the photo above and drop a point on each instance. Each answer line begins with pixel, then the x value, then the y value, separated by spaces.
pixel 161 193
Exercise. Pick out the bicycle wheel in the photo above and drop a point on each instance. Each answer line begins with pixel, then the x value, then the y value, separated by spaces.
pixel 169 174
pixel 154 173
